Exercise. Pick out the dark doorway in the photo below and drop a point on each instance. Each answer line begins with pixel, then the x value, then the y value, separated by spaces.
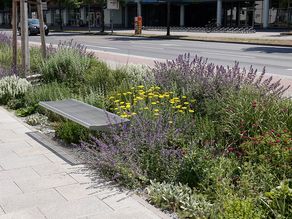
pixel 155 14
pixel 199 14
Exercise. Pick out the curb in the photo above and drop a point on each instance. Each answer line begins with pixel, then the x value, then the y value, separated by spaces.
pixel 150 207
pixel 286 33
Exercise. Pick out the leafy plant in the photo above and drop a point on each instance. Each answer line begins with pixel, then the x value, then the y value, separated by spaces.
pixel 71 132
pixel 279 200
pixel 26 111
pixel 272 148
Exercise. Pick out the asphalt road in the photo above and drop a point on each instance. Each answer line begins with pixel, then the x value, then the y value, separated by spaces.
pixel 277 60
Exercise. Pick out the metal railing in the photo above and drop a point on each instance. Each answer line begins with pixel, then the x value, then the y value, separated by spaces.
pixel 207 29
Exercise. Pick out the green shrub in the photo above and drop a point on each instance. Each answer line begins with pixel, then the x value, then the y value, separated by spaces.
pixel 6 56
pixel 248 113
pixel 195 166
pixel 47 92
pixel 272 148
pixel 15 103
pixel 71 132
pixel 12 87
pixel 91 96
pixel 179 198
pixel 236 208
pixel 253 179
pixel 101 77
pixel 35 59
pixel 66 65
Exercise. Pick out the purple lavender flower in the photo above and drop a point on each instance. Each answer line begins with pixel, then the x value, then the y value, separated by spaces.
pixel 71 45
pixel 5 40
pixel 202 79
pixel 147 148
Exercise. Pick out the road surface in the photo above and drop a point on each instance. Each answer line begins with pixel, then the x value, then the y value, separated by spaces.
pixel 276 59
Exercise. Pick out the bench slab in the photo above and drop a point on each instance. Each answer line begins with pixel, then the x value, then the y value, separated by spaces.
pixel 84 114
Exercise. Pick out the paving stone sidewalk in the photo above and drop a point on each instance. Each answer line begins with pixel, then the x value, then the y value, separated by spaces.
pixel 36 183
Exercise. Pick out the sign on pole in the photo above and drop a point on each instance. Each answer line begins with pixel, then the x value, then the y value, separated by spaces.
pixel 113 4
pixel 44 6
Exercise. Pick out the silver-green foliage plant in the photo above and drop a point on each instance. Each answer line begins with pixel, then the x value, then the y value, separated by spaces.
pixel 37 119
pixel 66 65
pixel 12 87
pixel 180 199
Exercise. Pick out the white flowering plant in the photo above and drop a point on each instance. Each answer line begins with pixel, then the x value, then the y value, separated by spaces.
pixel 12 87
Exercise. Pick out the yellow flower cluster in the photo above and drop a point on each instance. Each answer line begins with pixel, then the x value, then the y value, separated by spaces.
pixel 151 100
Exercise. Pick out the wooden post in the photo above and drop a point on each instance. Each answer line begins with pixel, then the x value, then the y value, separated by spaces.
pixel 14 33
pixel 24 36
pixel 42 28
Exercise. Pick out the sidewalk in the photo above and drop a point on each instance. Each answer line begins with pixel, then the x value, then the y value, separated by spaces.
pixel 271 37
pixel 262 38
pixel 36 183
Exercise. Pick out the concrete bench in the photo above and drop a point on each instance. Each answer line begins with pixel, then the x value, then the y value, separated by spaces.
pixel 84 114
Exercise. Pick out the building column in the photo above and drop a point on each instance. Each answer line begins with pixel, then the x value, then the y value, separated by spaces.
pixel 238 14
pixel 65 16
pixel 1 18
pixel 266 9
pixel 139 8
pixel 219 13
pixel 126 16
pixel 182 16
pixel 83 14
pixel 49 17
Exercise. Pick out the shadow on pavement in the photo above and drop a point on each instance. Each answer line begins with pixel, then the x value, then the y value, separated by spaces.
pixel 68 34
pixel 268 49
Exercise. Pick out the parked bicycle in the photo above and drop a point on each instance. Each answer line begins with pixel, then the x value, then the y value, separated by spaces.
pixel 211 26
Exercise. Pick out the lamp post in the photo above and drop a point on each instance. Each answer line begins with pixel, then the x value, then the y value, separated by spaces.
pixel 168 19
